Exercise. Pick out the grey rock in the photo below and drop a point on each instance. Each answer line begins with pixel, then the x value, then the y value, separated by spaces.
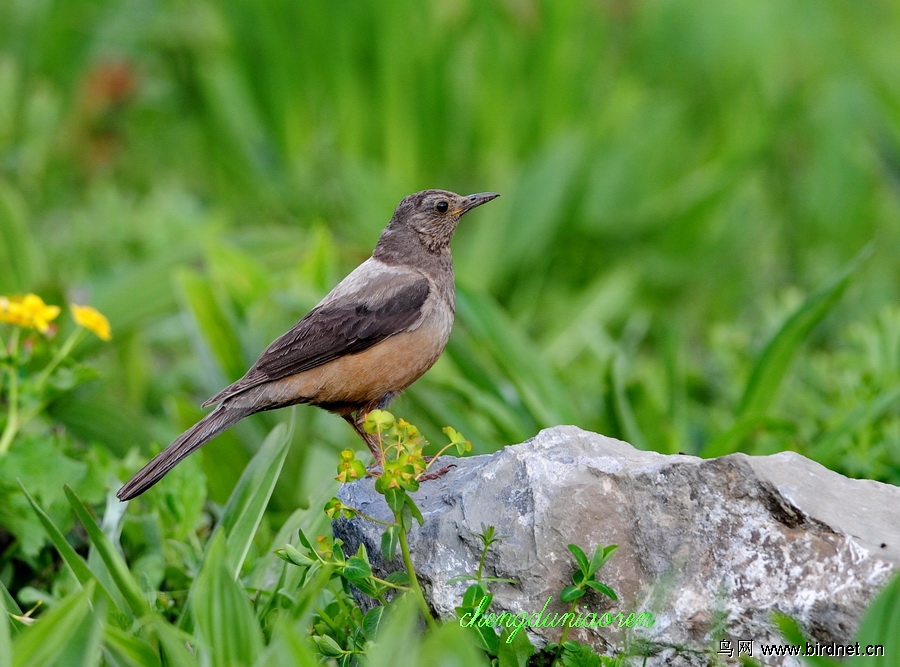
pixel 710 547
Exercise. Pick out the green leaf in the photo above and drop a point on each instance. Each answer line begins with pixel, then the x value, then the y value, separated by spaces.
pixel 580 558
pixel 795 635
pixel 124 582
pixel 395 499
pixel 293 555
pixel 248 501
pixel 5 634
pixel 603 588
pixel 881 623
pixel 406 519
pixel 84 644
pixel 128 649
pixel 222 612
pixel 290 646
pixel 48 641
pixel 304 540
pixel 450 646
pixel 328 646
pixel 398 578
pixel 486 637
pixel 369 587
pixel 390 540
pixel 601 555
pixel 398 642
pixel 514 652
pixel 571 593
pixel 356 569
pixel 414 510
pixel 8 602
pixel 576 654
pixel 174 644
pixel 372 621
pixel 775 360
pixel 473 596
pixel 70 557
pixel 378 421
pixel 337 553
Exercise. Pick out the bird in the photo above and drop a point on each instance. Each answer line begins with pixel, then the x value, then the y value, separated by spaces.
pixel 378 331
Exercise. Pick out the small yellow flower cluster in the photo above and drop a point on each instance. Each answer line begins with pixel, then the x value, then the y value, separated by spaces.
pixel 31 312
pixel 28 311
pixel 91 319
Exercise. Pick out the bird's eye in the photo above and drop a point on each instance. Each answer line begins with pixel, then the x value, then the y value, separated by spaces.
pixel 441 206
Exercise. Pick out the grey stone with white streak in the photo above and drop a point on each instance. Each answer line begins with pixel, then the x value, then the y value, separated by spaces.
pixel 710 547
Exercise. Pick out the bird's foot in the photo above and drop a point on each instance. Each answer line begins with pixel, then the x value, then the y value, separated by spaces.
pixel 440 472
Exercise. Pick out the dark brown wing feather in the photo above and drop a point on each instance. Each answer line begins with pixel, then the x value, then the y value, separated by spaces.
pixel 336 328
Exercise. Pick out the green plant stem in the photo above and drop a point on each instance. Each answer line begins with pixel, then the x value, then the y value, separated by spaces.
pixel 565 634
pixel 61 354
pixel 481 563
pixel 384 582
pixel 16 420
pixel 413 580
pixel 365 516
pixel 12 413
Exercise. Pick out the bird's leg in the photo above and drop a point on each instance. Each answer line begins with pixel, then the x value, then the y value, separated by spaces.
pixel 440 472
pixel 371 442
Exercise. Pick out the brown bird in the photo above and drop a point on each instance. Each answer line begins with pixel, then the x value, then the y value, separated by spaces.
pixel 371 337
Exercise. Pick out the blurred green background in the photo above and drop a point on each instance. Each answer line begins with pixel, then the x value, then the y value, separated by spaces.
pixel 675 260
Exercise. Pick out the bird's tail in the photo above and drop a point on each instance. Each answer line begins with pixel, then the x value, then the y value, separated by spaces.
pixel 191 440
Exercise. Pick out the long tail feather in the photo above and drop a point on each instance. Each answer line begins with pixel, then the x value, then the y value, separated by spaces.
pixel 191 440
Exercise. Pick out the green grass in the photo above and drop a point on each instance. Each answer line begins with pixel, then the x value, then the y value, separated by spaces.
pixel 678 258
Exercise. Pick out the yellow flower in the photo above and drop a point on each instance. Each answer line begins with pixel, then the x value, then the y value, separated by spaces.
pixel 27 311
pixel 90 318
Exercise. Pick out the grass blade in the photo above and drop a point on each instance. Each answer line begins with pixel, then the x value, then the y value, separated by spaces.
pixel 115 564
pixel 47 641
pixel 248 502
pixel 620 410
pixel 247 505
pixel 779 352
pixel 70 557
pixel 514 359
pixel 174 644
pixel 217 330
pixel 290 648
pixel 729 441
pixel 8 602
pixel 858 419
pixel 5 634
pixel 881 622
pixel 126 649
pixel 223 615
pixel 17 251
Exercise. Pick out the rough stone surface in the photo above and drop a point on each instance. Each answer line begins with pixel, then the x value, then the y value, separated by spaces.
pixel 710 547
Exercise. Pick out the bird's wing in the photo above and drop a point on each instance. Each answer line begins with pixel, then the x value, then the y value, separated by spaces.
pixel 355 316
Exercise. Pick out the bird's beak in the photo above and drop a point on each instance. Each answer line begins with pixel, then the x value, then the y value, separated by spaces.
pixel 471 201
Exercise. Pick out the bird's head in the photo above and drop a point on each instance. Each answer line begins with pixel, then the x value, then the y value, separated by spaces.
pixel 434 214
